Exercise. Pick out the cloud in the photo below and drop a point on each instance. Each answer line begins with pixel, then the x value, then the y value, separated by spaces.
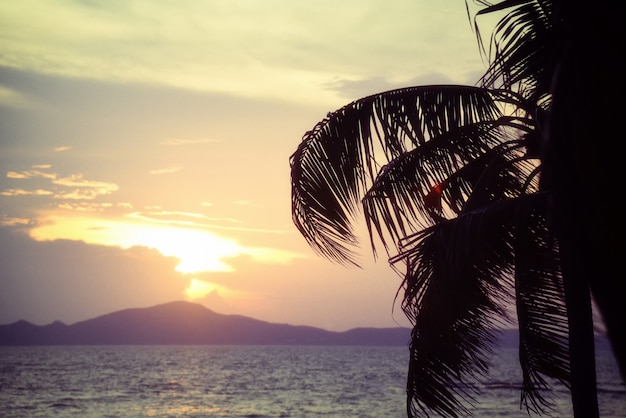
pixel 158 218
pixel 30 174
pixel 11 221
pixel 172 216
pixel 175 142
pixel 62 148
pixel 83 189
pixel 22 192
pixel 253 49
pixel 12 98
pixel 89 280
pixel 81 204
pixel 356 89
pixel 14 175
pixel 165 218
pixel 167 170
pixel 86 281
pixel 86 189
pixel 197 248
pixel 78 180
pixel 86 206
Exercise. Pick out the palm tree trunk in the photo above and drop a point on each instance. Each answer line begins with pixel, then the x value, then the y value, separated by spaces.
pixel 585 136
pixel 578 163
pixel 581 335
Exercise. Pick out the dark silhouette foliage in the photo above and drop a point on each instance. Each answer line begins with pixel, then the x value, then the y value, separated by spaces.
pixel 471 191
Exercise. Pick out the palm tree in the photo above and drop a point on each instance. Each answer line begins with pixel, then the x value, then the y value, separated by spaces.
pixel 454 172
pixel 471 188
pixel 581 165
pixel 559 50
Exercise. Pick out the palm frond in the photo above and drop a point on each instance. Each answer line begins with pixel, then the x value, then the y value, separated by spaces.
pixel 522 44
pixel 541 310
pixel 339 159
pixel 453 293
pixel 421 186
pixel 508 175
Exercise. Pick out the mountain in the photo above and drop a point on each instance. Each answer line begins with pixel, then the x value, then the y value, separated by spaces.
pixel 189 324
pixel 186 323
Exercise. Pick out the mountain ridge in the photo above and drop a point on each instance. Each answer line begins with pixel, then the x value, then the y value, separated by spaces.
pixel 180 322
pixel 188 323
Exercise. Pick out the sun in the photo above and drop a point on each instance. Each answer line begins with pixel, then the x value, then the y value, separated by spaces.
pixel 197 250
pixel 198 289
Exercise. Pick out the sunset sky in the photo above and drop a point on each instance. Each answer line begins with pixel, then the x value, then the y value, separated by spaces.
pixel 144 149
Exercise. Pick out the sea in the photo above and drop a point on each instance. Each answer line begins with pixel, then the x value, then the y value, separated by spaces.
pixel 249 381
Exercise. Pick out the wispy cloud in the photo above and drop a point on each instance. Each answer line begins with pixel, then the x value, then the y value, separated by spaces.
pixel 23 192
pixel 356 88
pixel 183 214
pixel 81 188
pixel 62 148
pixel 359 88
pixel 197 221
pixel 82 194
pixel 12 98
pixel 166 170
pixel 78 180
pixel 22 175
pixel 170 214
pixel 273 255
pixel 12 221
pixel 175 142
pixel 86 206
pixel 178 218
pixel 15 175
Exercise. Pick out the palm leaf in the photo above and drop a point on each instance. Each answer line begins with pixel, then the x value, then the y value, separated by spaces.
pixel 523 51
pixel 458 287
pixel 541 310
pixel 339 159
pixel 454 293
pixel 407 195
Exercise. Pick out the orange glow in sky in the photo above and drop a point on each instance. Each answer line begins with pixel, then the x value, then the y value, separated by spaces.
pixel 198 289
pixel 197 250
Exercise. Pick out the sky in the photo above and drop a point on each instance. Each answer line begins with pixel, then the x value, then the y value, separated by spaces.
pixel 144 149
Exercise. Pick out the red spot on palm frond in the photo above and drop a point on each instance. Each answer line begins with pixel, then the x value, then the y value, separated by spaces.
pixel 432 201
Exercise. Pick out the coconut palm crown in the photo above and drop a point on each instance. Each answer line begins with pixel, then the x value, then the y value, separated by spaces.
pixel 455 184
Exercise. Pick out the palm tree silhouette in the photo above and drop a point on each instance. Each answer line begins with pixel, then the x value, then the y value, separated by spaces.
pixel 473 193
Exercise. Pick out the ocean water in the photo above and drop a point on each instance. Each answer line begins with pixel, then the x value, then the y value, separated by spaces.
pixel 251 381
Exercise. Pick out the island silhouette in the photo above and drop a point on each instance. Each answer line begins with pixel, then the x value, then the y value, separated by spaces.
pixel 188 323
